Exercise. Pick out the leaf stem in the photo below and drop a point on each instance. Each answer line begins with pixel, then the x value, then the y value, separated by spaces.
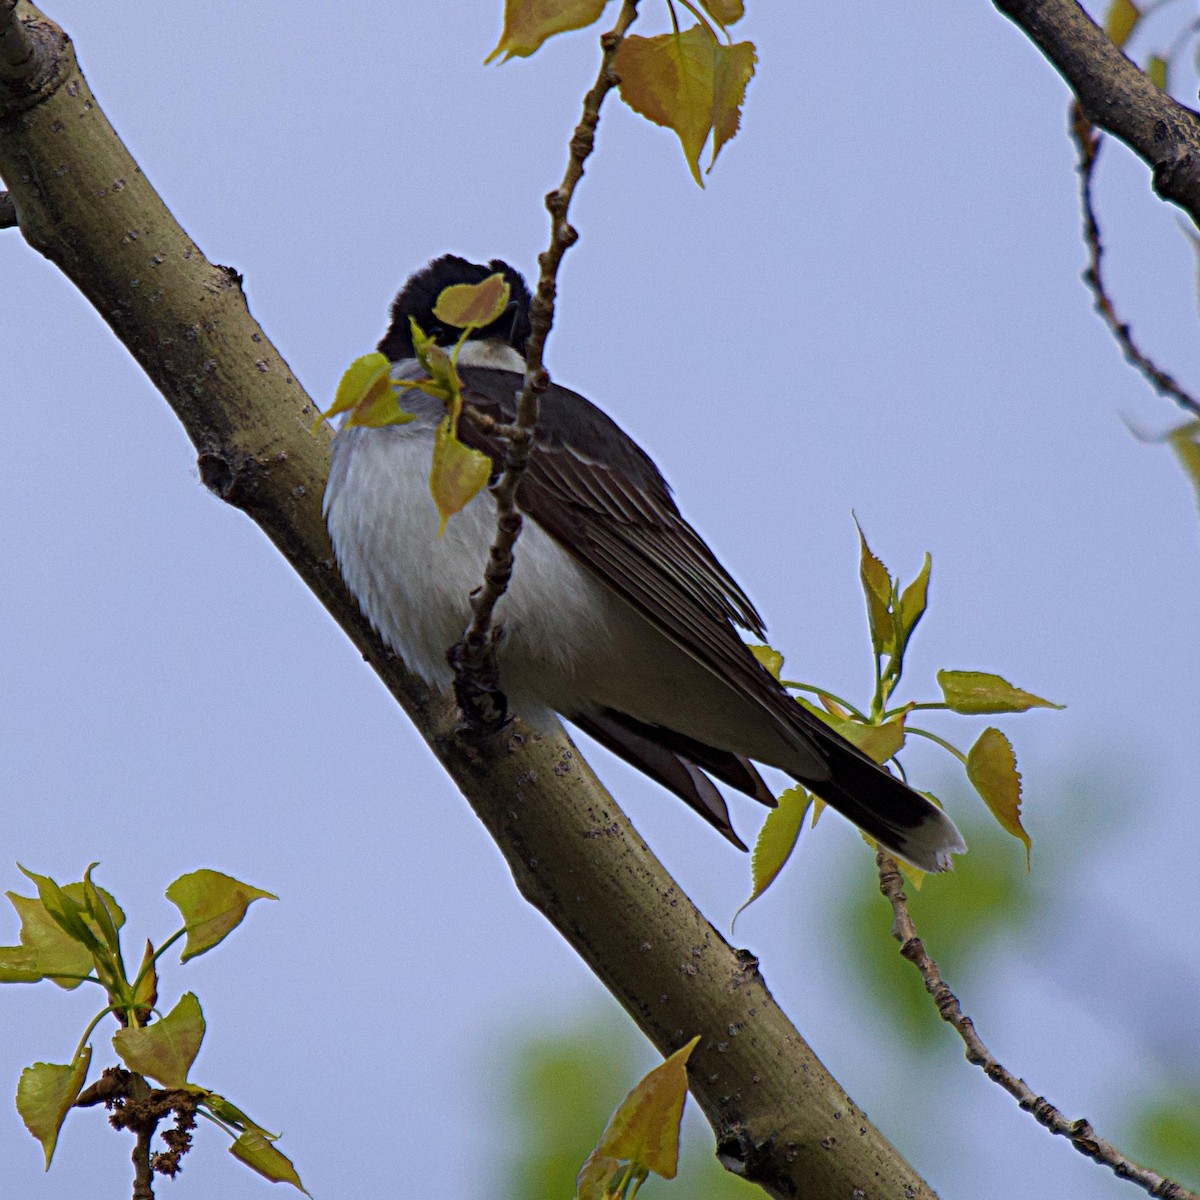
pixel 933 737
pixel 796 686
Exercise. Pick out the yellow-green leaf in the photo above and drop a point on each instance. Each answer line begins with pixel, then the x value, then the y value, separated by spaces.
pixel 596 1177
pixel 367 393
pixel 145 995
pixel 913 601
pixel 992 770
pixel 1185 442
pixel 768 657
pixel 65 906
pixel 776 840
pixel 213 905
pixel 724 12
pixel 1157 68
pixel 459 473
pixel 977 692
pixel 1121 20
pixel 255 1149
pixel 165 1050
pixel 473 305
pixel 19 964
pixel 877 588
pixel 528 23
pixel 688 82
pixel 877 742
pixel 55 952
pixel 45 1094
pixel 644 1130
pixel 733 70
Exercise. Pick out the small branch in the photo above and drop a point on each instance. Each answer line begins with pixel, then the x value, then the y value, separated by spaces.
pixel 1088 142
pixel 474 659
pixel 1079 1133
pixel 1116 95
pixel 17 53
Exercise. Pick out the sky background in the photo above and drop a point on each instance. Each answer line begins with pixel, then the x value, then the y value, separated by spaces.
pixel 874 306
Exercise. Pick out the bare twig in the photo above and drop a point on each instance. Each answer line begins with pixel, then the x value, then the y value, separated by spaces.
pixel 1088 141
pixel 1116 95
pixel 474 658
pixel 1079 1133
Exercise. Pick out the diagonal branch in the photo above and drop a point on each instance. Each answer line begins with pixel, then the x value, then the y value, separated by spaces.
pixel 781 1120
pixel 1116 95
pixel 1079 1133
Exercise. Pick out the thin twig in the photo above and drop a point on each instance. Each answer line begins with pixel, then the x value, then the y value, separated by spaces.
pixel 474 658
pixel 1088 141
pixel 1079 1133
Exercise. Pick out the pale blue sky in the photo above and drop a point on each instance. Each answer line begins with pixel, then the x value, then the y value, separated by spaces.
pixel 874 306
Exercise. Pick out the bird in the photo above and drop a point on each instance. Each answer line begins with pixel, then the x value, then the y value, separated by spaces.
pixel 618 616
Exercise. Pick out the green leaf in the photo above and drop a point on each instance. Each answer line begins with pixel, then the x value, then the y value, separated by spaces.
pixel 66 911
pixel 768 657
pixel 254 1148
pixel 1185 442
pixel 367 392
pixel 877 742
pixel 688 82
pixel 19 964
pixel 724 12
pixel 145 995
pixel 1121 20
pixel 458 475
pixel 644 1131
pixel 56 953
pixel 45 1094
pixel 913 603
pixel 1168 1126
pixel 992 770
pixel 528 23
pixel 978 692
pixel 776 840
pixel 165 1050
pixel 1157 69
pixel 104 919
pixel 877 588
pixel 213 905
pixel 473 305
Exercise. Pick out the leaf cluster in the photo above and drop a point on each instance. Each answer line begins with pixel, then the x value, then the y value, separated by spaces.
pixel 692 81
pixel 370 394
pixel 642 1136
pixel 882 728
pixel 71 935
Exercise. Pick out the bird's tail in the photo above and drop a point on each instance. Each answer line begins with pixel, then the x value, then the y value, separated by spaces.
pixel 902 821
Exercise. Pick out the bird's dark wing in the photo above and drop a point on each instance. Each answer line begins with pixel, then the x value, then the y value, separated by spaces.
pixel 599 495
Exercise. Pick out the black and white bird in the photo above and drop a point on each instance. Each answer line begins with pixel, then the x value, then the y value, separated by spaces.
pixel 618 616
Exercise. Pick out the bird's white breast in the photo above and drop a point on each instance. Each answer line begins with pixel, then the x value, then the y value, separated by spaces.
pixel 415 587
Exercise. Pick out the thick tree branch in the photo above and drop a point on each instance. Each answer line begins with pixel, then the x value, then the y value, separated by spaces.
pixel 1079 1133
pixel 1116 95
pixel 781 1120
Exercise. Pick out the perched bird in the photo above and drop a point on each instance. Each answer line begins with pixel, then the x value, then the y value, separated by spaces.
pixel 618 616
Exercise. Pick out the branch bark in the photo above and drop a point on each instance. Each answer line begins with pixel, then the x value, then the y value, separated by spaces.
pixel 1116 95
pixel 781 1120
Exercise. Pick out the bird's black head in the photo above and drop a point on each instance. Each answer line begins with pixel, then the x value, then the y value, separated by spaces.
pixel 418 296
